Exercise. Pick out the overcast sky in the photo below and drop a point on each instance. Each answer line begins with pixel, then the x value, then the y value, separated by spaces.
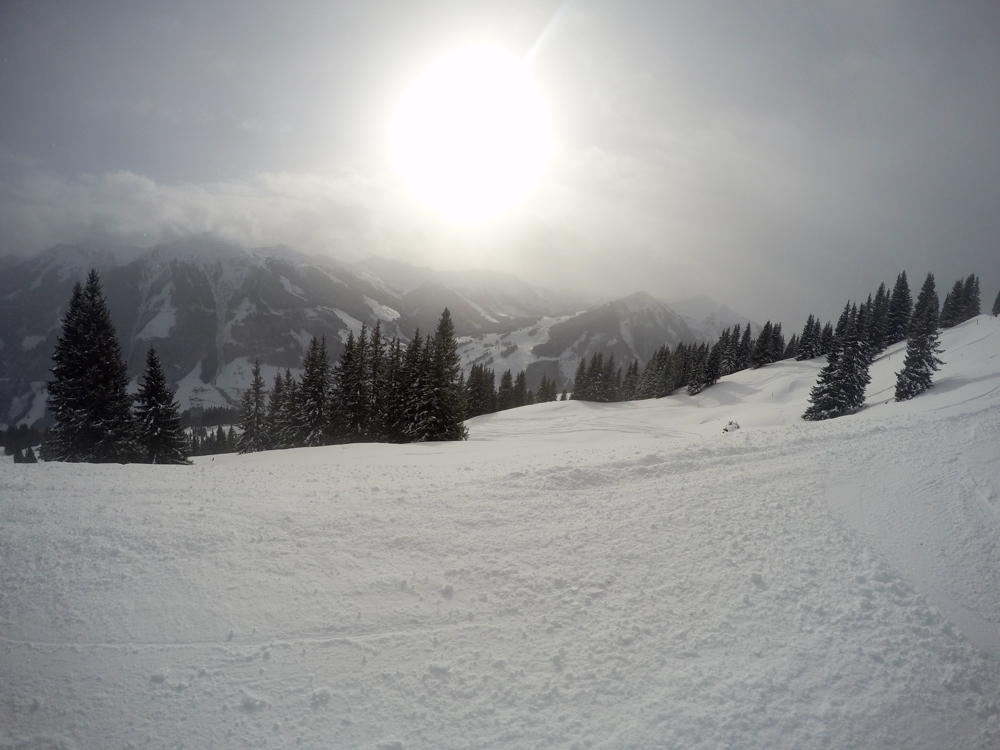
pixel 777 156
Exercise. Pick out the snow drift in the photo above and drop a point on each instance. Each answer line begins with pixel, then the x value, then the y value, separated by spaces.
pixel 575 575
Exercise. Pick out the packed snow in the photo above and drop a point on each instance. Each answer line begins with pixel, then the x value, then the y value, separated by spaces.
pixel 575 575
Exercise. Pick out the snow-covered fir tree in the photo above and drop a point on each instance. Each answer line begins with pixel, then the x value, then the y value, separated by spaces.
pixel 442 412
pixel 826 339
pixel 840 388
pixel 996 306
pixel 900 309
pixel 254 415
pixel 87 395
pixel 314 395
pixel 157 417
pixel 921 361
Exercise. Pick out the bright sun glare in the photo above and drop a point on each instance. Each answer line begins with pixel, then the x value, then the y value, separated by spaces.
pixel 472 135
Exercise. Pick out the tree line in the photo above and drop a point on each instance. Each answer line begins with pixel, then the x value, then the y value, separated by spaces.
pixel 378 391
pixel 388 391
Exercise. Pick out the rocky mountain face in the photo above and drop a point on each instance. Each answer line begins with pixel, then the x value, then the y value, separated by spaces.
pixel 211 307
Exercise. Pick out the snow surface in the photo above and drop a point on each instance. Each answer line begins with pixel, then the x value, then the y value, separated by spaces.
pixel 490 348
pixel 575 575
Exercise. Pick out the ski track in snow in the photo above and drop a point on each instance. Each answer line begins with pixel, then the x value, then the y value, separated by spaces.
pixel 574 576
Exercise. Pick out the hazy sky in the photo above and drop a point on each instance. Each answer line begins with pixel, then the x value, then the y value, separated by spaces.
pixel 778 156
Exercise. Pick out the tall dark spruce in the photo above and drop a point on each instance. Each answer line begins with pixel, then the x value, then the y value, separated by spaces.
pixel 996 306
pixel 840 388
pixel 442 409
pixel 87 395
pixel 921 360
pixel 900 309
pixel 254 415
pixel 158 418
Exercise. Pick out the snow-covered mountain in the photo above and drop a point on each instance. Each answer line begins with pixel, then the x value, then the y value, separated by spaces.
pixel 631 329
pixel 574 575
pixel 210 307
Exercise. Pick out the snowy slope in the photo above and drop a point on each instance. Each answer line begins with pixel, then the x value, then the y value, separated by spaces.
pixel 575 575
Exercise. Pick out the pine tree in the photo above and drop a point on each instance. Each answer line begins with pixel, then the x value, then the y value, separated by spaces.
pixel 879 321
pixel 746 347
pixel 630 384
pixel 826 339
pixel 808 341
pixel 410 399
pixel 505 393
pixel 793 347
pixel 87 396
pixel 520 390
pixel 394 393
pixel 287 434
pixel 253 415
pixel 157 417
pixel 953 309
pixel 900 309
pixel 274 406
pixel 921 361
pixel 314 395
pixel 444 412
pixel 761 353
pixel 840 388
pixel 579 382
pixel 996 306
pixel 375 383
pixel 972 297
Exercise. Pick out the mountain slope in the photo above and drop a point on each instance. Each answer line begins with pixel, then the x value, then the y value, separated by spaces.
pixel 590 575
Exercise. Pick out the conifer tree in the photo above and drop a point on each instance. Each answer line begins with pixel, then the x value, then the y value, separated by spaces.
pixel 253 415
pixel 375 383
pixel 996 306
pixel 900 309
pixel 579 382
pixel 505 392
pixel 878 321
pixel 395 392
pixel 314 396
pixel 410 398
pixel 157 417
pixel 953 309
pixel 840 388
pixel 480 392
pixel 610 381
pixel 287 434
pixel 87 396
pixel 630 384
pixel 444 408
pixel 273 420
pixel 793 347
pixel 921 361
pixel 776 351
pixel 972 297
pixel 520 390
pixel 826 339
pixel 761 353
pixel 746 347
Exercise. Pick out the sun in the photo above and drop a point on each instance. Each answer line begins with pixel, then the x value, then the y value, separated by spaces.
pixel 472 135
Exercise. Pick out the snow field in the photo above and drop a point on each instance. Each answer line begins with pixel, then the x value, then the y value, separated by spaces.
pixel 575 575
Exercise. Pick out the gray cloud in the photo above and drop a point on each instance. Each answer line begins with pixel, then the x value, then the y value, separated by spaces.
pixel 777 156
